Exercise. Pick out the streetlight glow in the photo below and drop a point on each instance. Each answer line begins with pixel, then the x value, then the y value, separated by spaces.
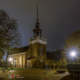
pixel 10 59
pixel 73 53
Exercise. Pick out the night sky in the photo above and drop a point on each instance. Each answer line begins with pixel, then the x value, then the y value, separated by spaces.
pixel 58 19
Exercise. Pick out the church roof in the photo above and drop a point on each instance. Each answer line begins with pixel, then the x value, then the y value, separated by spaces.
pixel 20 50
pixel 23 49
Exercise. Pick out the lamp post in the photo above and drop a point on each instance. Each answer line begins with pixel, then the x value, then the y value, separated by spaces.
pixel 10 61
pixel 73 55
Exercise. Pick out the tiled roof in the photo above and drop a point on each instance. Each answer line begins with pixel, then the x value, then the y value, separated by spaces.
pixel 23 49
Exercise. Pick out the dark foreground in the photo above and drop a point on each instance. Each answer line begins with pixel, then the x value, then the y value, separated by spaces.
pixel 35 74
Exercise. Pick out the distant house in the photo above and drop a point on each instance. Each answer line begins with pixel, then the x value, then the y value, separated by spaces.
pixel 36 51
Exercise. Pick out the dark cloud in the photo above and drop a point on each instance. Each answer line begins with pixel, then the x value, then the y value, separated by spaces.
pixel 58 19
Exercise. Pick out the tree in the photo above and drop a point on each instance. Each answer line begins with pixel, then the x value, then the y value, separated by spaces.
pixel 55 55
pixel 9 34
pixel 72 44
pixel 54 64
pixel 63 62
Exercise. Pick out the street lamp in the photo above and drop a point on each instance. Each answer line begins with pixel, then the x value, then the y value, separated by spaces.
pixel 10 59
pixel 72 53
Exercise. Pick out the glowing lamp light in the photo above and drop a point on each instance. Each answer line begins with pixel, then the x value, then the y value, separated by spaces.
pixel 73 54
pixel 10 59
pixel 1 59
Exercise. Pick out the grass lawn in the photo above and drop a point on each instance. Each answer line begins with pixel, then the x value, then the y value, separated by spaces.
pixel 17 68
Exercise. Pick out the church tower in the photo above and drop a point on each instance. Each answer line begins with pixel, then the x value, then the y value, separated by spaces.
pixel 37 31
pixel 37 45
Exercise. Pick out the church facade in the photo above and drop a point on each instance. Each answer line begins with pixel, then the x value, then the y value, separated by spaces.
pixel 36 51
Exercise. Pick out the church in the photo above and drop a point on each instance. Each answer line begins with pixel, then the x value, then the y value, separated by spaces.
pixel 36 51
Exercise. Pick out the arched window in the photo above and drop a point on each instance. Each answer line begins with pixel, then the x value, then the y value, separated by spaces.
pixel 40 33
pixel 37 32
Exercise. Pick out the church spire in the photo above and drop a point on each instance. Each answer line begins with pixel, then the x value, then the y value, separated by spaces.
pixel 37 23
pixel 37 31
pixel 37 13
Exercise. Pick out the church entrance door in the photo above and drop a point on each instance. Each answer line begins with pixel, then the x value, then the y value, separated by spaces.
pixel 15 63
pixel 28 64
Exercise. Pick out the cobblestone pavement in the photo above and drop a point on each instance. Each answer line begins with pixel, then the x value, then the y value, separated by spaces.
pixel 35 74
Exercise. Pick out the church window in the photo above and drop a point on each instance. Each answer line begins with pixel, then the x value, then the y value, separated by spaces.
pixel 41 51
pixel 34 34
pixel 40 33
pixel 37 32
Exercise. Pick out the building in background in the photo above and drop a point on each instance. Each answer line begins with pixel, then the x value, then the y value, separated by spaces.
pixel 36 51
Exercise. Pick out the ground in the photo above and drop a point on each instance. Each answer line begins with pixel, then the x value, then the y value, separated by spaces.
pixel 35 74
